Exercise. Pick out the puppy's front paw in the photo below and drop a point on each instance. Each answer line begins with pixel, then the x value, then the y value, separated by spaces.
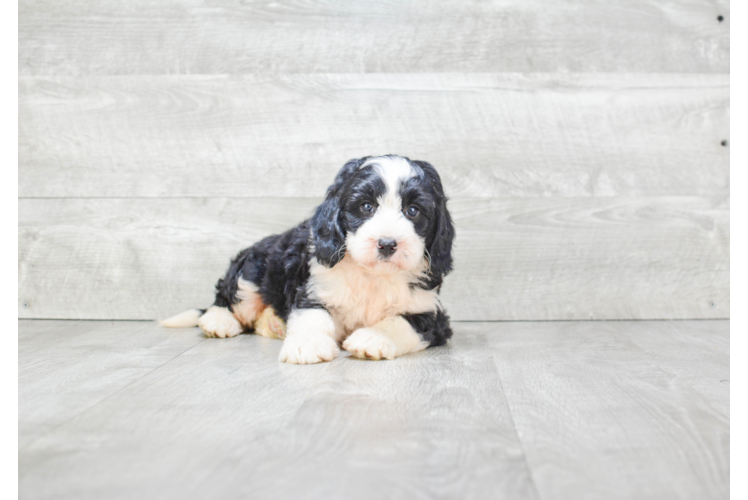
pixel 303 349
pixel 367 343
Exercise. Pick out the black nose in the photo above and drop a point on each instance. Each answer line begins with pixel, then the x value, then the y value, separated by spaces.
pixel 387 246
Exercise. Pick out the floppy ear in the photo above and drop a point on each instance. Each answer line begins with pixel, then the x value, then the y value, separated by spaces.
pixel 327 233
pixel 441 247
pixel 440 244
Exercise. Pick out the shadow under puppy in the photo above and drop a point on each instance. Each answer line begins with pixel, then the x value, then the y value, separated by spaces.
pixel 365 270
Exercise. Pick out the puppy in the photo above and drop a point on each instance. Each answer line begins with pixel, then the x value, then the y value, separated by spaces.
pixel 365 270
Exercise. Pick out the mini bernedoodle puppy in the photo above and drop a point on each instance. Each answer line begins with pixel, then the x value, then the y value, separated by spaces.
pixel 365 270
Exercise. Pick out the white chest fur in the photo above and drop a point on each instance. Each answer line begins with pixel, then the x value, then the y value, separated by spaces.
pixel 357 297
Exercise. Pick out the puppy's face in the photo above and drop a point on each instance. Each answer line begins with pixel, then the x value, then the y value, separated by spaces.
pixel 385 213
pixel 386 216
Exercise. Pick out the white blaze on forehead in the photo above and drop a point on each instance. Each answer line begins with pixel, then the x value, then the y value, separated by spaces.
pixel 393 170
pixel 388 221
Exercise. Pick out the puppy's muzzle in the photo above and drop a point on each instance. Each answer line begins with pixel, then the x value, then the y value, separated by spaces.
pixel 387 247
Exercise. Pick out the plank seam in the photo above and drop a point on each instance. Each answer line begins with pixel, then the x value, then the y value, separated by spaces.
pixel 81 412
pixel 535 491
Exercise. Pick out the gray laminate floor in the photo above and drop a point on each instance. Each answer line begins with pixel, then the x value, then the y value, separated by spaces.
pixel 548 410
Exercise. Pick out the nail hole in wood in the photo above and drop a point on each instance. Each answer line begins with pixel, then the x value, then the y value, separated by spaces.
pixel 25 305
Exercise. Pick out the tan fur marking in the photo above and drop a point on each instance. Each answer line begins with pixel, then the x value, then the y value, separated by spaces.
pixel 250 304
pixel 270 325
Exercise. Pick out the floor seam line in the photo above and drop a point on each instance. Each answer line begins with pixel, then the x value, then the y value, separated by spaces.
pixel 37 438
pixel 530 474
pixel 308 392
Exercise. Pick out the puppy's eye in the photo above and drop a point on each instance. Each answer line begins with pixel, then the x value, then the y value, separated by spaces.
pixel 412 211
pixel 367 207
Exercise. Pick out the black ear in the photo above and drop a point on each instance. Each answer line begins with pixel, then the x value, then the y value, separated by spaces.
pixel 439 245
pixel 327 233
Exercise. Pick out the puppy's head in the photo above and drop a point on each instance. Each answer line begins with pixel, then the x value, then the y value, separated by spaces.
pixel 388 214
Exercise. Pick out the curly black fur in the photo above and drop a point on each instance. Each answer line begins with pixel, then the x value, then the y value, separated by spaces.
pixel 279 265
pixel 433 327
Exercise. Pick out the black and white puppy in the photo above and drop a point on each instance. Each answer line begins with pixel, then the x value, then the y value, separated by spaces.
pixel 365 270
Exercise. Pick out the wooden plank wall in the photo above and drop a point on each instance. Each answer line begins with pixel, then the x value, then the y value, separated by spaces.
pixel 581 144
pixel 737 49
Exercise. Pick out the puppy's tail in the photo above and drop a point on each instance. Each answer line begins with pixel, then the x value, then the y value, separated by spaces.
pixel 186 319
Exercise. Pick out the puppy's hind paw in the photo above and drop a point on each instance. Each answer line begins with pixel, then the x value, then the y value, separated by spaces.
pixel 303 349
pixel 270 325
pixel 219 322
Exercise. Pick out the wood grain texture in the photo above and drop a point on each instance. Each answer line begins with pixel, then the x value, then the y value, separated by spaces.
pixel 433 425
pixel 489 135
pixel 177 433
pixel 233 37
pixel 541 410
pixel 738 393
pixel 227 420
pixel 739 240
pixel 736 41
pixel 67 367
pixel 696 352
pixel 737 120
pixel 517 258
pixel 600 418
pixel 738 406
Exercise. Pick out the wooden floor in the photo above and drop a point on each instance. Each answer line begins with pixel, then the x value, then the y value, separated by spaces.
pixel 544 410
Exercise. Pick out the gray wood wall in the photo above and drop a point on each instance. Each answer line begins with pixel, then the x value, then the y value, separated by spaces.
pixel 580 143
pixel 737 93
